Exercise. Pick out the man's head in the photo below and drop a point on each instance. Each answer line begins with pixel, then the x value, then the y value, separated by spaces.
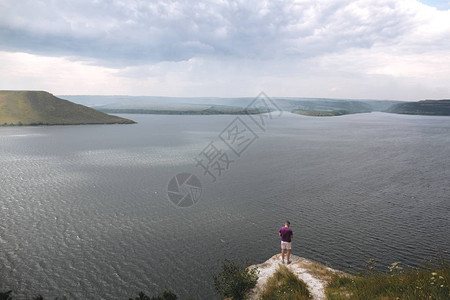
pixel 287 224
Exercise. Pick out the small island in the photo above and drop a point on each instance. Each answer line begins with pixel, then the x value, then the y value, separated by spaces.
pixel 32 108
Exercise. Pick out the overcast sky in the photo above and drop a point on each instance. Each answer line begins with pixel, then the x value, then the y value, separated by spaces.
pixel 376 49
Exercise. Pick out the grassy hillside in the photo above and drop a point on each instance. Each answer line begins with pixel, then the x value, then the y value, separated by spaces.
pixel 426 282
pixel 42 108
pixel 426 107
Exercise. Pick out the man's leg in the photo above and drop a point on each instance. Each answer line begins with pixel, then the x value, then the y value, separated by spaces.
pixel 288 254
pixel 282 254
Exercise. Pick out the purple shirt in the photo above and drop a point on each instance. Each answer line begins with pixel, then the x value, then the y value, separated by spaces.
pixel 286 234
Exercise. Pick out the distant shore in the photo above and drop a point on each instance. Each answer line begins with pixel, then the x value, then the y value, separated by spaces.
pixel 211 111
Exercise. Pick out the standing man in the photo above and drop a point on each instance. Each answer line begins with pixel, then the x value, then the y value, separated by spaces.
pixel 286 235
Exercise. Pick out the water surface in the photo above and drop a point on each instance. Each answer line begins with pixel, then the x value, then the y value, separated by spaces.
pixel 84 210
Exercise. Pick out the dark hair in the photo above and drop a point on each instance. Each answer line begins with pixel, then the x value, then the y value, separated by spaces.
pixel 287 222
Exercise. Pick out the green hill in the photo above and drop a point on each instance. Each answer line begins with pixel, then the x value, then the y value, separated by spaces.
pixel 425 107
pixel 42 108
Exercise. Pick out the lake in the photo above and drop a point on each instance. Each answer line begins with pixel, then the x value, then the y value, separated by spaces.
pixel 84 210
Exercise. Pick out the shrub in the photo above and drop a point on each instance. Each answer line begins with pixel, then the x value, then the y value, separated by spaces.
pixel 285 285
pixel 6 295
pixel 166 295
pixel 235 280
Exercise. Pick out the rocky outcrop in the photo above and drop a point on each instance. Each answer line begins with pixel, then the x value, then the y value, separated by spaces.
pixel 314 274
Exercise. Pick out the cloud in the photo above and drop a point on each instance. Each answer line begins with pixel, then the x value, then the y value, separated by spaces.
pixel 33 72
pixel 229 47
pixel 133 32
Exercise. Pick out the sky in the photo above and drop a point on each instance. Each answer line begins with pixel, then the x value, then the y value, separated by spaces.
pixel 355 49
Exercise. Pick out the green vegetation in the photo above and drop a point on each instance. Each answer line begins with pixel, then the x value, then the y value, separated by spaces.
pixel 215 106
pixel 213 110
pixel 166 295
pixel 6 295
pixel 315 113
pixel 326 107
pixel 205 106
pixel 431 282
pixel 427 282
pixel 41 108
pixel 235 280
pixel 285 285
pixel 426 107
pixel 330 107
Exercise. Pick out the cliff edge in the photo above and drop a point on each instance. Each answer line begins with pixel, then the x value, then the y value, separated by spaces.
pixel 314 274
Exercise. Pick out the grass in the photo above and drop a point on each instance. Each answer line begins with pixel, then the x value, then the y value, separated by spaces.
pixel 427 282
pixel 42 108
pixel 285 285
pixel 318 270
